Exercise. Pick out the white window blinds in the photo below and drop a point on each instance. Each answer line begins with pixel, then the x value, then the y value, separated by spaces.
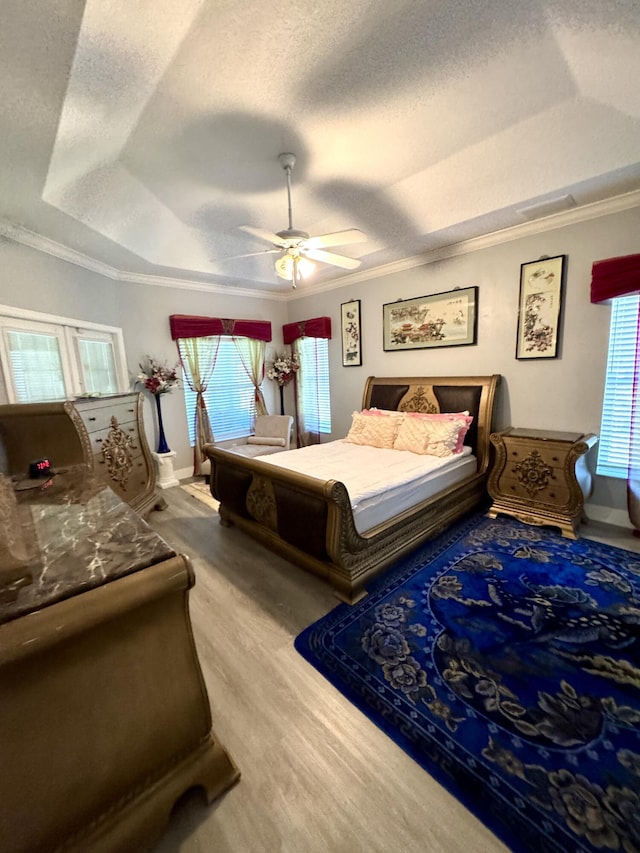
pixel 98 366
pixel 230 396
pixel 314 384
pixel 44 357
pixel 36 366
pixel 616 447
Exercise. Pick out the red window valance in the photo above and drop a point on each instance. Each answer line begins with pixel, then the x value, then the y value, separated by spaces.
pixel 319 327
pixel 186 326
pixel 615 277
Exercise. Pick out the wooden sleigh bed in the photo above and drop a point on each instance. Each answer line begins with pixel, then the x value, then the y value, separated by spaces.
pixel 310 521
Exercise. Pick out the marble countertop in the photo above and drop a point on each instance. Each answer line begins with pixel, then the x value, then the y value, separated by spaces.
pixel 64 536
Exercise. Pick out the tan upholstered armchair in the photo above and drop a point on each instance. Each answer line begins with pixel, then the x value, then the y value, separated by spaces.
pixel 272 434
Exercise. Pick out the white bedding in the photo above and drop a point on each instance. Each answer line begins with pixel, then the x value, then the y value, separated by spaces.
pixel 381 483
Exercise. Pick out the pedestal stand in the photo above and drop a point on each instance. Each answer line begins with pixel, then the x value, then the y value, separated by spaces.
pixel 166 476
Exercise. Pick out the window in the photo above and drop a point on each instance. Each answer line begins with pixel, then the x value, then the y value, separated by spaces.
pixel 98 364
pixel 313 385
pixel 47 358
pixel 36 365
pixel 230 395
pixel 615 431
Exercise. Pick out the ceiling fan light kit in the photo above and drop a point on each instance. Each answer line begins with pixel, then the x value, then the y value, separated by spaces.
pixel 299 249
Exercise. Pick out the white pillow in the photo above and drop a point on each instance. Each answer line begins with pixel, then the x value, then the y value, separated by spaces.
pixel 392 413
pixel 263 439
pixel 373 431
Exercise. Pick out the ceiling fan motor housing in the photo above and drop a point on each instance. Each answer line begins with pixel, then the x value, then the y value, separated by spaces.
pixel 292 236
pixel 287 160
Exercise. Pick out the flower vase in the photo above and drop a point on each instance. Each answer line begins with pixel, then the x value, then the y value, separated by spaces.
pixel 163 447
pixel 282 399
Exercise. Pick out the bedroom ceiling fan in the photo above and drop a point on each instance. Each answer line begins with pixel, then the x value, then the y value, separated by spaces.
pixel 298 249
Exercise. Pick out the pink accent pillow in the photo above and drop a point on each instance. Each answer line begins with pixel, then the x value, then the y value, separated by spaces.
pixel 383 413
pixel 462 420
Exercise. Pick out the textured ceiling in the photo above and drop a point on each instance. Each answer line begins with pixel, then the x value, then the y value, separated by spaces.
pixel 143 134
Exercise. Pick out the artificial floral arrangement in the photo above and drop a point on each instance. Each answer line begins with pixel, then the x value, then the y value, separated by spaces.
pixel 283 368
pixel 156 376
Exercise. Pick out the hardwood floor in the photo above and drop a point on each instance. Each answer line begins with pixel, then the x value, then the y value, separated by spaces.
pixel 317 775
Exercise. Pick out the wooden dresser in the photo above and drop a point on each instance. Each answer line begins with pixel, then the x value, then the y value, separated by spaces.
pixel 541 477
pixel 104 433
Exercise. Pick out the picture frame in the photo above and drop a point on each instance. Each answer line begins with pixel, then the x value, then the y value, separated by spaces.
pixel 351 333
pixel 448 319
pixel 540 307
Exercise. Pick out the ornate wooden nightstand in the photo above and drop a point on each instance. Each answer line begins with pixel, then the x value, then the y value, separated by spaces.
pixel 541 477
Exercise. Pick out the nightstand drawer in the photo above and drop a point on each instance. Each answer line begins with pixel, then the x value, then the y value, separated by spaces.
pixel 550 489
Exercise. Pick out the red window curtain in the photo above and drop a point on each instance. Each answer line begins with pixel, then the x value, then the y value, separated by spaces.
pixel 615 277
pixel 318 327
pixel 186 326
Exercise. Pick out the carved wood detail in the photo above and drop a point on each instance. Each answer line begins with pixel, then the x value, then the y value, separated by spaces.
pixel 117 452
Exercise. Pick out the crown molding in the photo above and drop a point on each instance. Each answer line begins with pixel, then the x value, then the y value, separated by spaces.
pixel 204 287
pixel 19 234
pixel 564 218
pixel 25 237
pixel 606 207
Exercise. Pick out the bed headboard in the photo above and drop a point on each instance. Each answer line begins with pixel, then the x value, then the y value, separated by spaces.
pixel 475 394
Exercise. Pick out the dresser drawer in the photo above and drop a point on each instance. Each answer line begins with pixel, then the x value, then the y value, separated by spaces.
pixel 98 438
pixel 125 479
pixel 97 416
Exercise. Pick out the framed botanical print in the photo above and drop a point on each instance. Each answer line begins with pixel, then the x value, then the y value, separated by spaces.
pixel 441 320
pixel 351 334
pixel 539 307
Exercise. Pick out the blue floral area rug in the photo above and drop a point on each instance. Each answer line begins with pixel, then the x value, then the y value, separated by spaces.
pixel 505 659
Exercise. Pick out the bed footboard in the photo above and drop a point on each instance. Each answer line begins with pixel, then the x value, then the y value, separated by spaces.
pixel 310 522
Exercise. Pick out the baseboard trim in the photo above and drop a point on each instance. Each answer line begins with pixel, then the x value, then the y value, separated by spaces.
pixel 184 473
pixel 607 515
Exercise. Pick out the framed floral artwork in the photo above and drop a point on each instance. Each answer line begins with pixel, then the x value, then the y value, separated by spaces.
pixel 351 333
pixel 539 307
pixel 447 319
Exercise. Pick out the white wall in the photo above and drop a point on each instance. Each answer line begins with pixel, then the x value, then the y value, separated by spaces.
pixel 39 282
pixel 562 394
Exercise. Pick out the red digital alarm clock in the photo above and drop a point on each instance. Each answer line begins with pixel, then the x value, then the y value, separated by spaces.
pixel 40 468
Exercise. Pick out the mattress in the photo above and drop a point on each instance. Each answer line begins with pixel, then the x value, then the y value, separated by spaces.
pixel 381 483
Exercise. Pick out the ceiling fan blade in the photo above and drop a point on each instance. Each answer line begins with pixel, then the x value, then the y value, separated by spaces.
pixel 262 234
pixel 337 238
pixel 249 255
pixel 330 258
